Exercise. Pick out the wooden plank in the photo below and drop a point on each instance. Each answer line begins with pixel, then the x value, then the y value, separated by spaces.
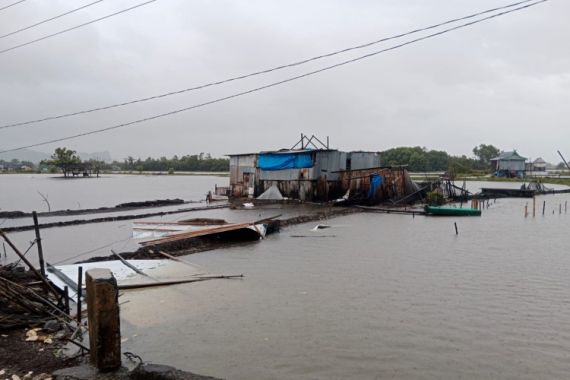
pixel 193 234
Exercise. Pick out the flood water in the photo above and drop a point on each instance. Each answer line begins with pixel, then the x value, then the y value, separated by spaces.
pixel 374 296
pixel 23 192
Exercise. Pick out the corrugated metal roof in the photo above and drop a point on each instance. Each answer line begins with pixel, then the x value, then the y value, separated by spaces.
pixel 241 154
pixel 295 151
pixel 510 156
pixel 283 151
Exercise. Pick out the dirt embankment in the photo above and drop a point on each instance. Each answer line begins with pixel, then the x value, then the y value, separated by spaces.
pixel 110 218
pixel 118 208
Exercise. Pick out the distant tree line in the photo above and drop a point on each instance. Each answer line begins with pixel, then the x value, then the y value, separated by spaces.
pixel 66 159
pixel 202 162
pixel 16 165
pixel 420 159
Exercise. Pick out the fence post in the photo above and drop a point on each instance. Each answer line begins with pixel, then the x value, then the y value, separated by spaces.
pixel 104 322
pixel 39 244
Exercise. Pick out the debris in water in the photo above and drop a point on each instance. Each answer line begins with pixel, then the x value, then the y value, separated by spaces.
pixel 321 227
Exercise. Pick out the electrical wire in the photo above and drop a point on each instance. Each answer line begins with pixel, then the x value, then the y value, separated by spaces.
pixel 49 19
pixel 274 84
pixel 75 27
pixel 11 5
pixel 265 71
pixel 92 250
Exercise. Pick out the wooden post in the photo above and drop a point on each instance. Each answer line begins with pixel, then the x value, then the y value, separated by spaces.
pixel 456 230
pixel 104 321
pixel 66 299
pixel 79 292
pixel 526 210
pixel 543 207
pixel 533 206
pixel 39 244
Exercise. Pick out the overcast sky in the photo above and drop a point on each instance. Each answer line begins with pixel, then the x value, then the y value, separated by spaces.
pixel 504 82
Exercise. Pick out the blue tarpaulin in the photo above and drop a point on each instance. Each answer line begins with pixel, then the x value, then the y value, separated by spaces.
pixel 274 161
pixel 375 182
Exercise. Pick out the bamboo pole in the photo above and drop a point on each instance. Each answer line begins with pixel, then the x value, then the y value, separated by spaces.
pixel 39 243
pixel 173 282
pixel 66 291
pixel 25 260
pixel 129 265
pixel 79 292
pixel 40 299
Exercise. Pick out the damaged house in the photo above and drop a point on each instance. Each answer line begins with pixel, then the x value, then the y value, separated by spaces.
pixel 317 175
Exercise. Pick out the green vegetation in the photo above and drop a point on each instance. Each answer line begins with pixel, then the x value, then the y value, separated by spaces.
pixel 64 159
pixel 190 163
pixel 417 159
pixel 435 198
pixel 421 159
pixel 485 153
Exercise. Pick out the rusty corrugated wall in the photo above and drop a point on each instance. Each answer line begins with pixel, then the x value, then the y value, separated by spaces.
pixel 395 183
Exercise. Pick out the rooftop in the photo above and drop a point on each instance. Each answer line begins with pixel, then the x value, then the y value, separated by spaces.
pixel 510 156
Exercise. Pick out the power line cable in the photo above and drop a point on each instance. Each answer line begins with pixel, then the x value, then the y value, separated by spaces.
pixel 93 250
pixel 11 5
pixel 49 19
pixel 274 84
pixel 298 63
pixel 76 27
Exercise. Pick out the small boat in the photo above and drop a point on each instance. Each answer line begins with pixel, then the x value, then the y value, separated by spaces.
pixel 507 193
pixel 451 211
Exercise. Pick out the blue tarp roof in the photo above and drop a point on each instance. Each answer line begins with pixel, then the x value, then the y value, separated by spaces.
pixel 281 161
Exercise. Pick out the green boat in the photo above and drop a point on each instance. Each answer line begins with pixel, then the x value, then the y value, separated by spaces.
pixel 451 211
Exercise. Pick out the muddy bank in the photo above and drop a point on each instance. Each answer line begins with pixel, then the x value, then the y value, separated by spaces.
pixel 202 244
pixel 118 208
pixel 111 218
pixel 19 357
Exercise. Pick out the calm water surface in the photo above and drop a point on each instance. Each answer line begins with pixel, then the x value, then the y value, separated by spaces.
pixel 22 191
pixel 375 296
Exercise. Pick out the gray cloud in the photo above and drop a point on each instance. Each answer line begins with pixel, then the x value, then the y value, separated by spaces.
pixel 504 82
